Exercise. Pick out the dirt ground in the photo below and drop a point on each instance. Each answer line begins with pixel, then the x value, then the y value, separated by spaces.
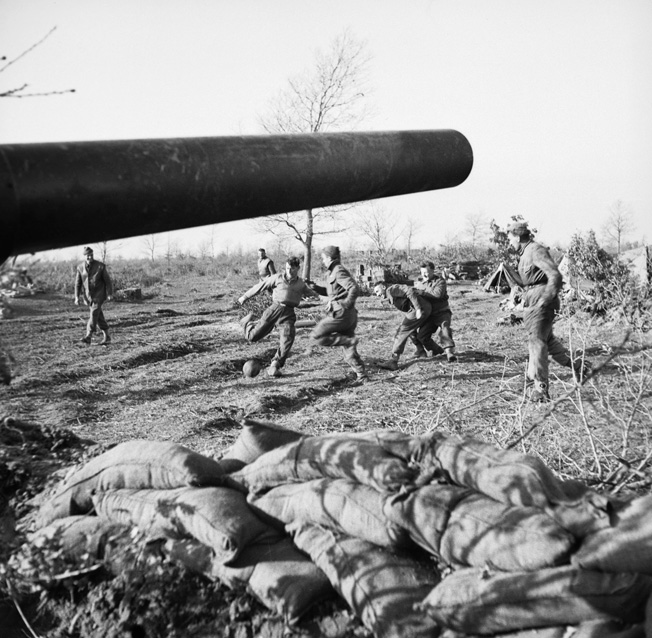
pixel 173 373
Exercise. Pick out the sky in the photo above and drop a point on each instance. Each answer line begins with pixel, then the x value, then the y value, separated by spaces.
pixel 554 96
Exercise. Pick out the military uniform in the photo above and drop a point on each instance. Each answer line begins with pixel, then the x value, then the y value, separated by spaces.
pixel 338 327
pixel 94 285
pixel 435 292
pixel 265 268
pixel 286 296
pixel 407 300
pixel 542 281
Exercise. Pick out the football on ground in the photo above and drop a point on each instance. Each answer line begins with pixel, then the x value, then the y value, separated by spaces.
pixel 251 368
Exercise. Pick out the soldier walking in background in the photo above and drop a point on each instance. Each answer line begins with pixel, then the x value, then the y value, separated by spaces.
pixel 287 290
pixel 542 282
pixel 433 288
pixel 265 265
pixel 416 312
pixel 93 285
pixel 338 327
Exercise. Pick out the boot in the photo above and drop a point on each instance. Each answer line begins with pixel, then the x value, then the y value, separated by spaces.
pixel 86 339
pixel 246 319
pixel 274 369
pixel 106 339
pixel 540 393
pixel 391 364
pixel 420 352
pixel 450 355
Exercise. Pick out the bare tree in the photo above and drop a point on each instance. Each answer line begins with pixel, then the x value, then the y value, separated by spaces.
pixel 328 96
pixel 477 229
pixel 19 91
pixel 409 231
pixel 380 227
pixel 150 244
pixel 619 223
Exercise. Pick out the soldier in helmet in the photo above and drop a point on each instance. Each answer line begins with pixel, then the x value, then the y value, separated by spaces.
pixel 542 282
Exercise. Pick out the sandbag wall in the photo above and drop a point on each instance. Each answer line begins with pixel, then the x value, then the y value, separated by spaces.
pixel 377 518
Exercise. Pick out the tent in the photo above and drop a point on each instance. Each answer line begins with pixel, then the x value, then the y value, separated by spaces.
pixel 504 277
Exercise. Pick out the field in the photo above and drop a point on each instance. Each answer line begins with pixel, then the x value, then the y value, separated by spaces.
pixel 173 373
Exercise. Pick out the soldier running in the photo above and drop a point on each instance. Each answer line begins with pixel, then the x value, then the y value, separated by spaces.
pixel 433 288
pixel 542 281
pixel 287 290
pixel 416 312
pixel 338 327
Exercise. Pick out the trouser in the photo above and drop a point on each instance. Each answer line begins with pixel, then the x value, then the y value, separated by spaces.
pixel 438 320
pixel 412 328
pixel 276 315
pixel 542 342
pixel 338 329
pixel 96 318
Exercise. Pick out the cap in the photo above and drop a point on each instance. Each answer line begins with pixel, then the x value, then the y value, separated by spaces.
pixel 331 251
pixel 88 250
pixel 518 228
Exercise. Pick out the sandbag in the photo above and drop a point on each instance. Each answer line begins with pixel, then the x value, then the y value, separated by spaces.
pixel 591 629
pixel 625 546
pixel 379 459
pixel 482 532
pixel 79 536
pixel 256 438
pixel 339 504
pixel 515 479
pixel 424 512
pixel 216 516
pixel 472 601
pixel 137 464
pixel 284 579
pixel 382 587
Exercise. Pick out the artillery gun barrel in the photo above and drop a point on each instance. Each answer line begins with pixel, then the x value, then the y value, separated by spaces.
pixel 55 195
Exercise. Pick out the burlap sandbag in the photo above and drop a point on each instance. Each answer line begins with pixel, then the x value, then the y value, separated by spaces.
pixel 515 479
pixel 284 579
pixel 339 504
pixel 379 459
pixel 424 512
pixel 482 532
pixel 135 464
pixel 382 587
pixel 219 517
pixel 625 546
pixel 78 536
pixel 472 601
pixel 599 629
pixel 256 438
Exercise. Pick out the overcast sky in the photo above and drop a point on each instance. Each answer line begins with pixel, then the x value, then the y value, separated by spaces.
pixel 554 96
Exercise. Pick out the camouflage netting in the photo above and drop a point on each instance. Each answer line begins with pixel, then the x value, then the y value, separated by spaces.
pixel 421 536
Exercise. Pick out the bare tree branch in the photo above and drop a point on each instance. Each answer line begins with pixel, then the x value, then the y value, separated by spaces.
pixel 17 92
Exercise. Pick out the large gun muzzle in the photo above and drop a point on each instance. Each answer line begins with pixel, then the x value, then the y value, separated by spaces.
pixel 64 194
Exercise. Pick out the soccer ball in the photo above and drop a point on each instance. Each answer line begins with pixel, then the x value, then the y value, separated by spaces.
pixel 251 368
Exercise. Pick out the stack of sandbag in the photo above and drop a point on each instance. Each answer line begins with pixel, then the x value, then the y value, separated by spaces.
pixel 171 493
pixel 376 517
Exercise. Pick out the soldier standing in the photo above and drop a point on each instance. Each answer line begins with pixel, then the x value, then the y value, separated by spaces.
pixel 542 282
pixel 287 290
pixel 93 285
pixel 416 312
pixel 433 288
pixel 338 327
pixel 265 265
